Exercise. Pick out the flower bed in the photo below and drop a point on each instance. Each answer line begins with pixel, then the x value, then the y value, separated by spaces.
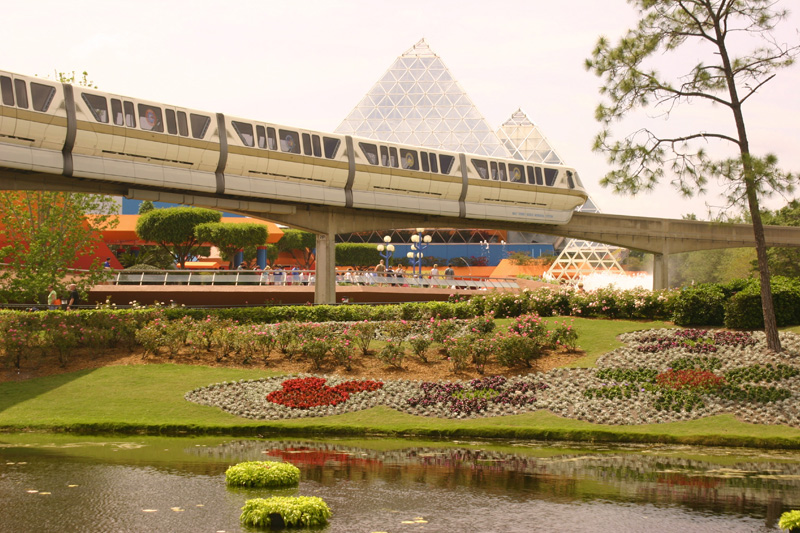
pixel 629 386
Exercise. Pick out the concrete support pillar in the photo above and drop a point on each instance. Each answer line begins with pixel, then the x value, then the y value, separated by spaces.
pixel 661 267
pixel 325 287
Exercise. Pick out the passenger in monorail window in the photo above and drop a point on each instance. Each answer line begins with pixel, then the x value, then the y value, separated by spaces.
pixel 150 118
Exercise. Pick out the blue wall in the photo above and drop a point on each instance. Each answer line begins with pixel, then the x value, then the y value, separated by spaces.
pixel 495 254
pixel 131 207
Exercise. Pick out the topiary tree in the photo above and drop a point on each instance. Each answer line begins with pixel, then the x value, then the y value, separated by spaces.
pixel 231 237
pixel 172 228
pixel 300 244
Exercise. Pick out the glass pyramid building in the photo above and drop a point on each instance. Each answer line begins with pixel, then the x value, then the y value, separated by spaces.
pixel 417 101
pixel 524 141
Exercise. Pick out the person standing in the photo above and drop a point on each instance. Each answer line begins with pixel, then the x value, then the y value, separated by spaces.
pixel 449 273
pixel 74 296
pixel 52 296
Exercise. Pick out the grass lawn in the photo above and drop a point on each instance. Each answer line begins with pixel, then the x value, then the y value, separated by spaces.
pixel 149 398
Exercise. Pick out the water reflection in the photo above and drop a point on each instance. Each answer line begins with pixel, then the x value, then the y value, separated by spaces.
pixel 150 484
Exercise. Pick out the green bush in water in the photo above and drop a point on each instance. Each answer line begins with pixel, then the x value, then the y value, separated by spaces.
pixel 285 511
pixel 262 474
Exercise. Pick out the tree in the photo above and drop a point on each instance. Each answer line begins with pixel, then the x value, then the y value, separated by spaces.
pixel 300 244
pixel 43 234
pixel 172 228
pixel 145 207
pixel 784 261
pixel 728 76
pixel 231 237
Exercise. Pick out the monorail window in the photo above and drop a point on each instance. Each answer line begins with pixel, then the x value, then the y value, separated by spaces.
pixel 116 112
pixel 393 157
pixel 501 169
pixel 306 144
pixel 199 124
pixel 150 118
pixel 446 163
pixel 261 135
pixel 183 124
pixel 331 146
pixel 434 163
pixel 7 90
pixel 130 114
pixel 494 170
pixel 481 168
pixel 516 173
pixel 539 179
pixel 550 175
pixel 172 125
pixel 570 181
pixel 409 159
pixel 22 95
pixel 423 158
pixel 531 177
pixel 98 106
pixel 42 96
pixel 370 152
pixel 290 141
pixel 245 132
pixel 272 139
pixel 384 156
pixel 315 145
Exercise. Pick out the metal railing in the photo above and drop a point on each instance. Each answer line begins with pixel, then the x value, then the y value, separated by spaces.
pixel 303 277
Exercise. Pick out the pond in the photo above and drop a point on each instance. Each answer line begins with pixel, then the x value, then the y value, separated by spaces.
pixel 153 484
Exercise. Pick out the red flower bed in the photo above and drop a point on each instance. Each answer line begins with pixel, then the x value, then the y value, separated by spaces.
pixel 303 393
pixel 690 379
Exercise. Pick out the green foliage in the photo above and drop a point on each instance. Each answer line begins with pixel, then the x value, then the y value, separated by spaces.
pixel 300 244
pixel 295 511
pixel 790 520
pixel 149 255
pixel 262 474
pixel 145 207
pixel 520 258
pixel 743 309
pixel 43 234
pixel 231 237
pixel 357 254
pixel 784 261
pixel 700 305
pixel 173 228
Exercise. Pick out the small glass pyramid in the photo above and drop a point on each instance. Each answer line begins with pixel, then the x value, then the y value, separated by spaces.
pixel 524 141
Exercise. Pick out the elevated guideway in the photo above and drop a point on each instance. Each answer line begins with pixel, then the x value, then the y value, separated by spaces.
pixel 658 236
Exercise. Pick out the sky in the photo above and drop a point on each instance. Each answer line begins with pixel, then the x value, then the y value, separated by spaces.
pixel 308 63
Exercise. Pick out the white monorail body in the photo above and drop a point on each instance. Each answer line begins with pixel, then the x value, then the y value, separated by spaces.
pixel 58 128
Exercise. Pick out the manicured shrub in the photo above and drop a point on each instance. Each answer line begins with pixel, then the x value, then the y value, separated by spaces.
pixel 743 309
pixel 702 304
pixel 262 474
pixel 294 511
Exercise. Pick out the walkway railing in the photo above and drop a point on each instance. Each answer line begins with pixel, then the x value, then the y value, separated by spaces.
pixel 303 277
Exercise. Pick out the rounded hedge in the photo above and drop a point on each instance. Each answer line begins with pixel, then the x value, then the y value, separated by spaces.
pixel 262 474
pixel 285 511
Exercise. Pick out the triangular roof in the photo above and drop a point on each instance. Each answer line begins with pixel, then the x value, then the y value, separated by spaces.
pixel 418 101
pixel 523 139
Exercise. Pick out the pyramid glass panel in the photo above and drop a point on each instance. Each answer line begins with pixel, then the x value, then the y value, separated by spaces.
pixel 425 94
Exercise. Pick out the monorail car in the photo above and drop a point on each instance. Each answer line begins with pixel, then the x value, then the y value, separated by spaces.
pixel 52 127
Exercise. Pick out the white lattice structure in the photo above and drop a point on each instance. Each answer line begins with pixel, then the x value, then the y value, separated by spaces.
pixel 523 139
pixel 417 101
pixel 579 259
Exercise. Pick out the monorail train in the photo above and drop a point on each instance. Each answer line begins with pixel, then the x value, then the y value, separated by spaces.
pixel 58 128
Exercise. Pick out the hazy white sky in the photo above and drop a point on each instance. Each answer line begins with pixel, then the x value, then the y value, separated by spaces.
pixel 308 63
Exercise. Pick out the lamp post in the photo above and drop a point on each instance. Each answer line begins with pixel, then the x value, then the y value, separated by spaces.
pixel 386 252
pixel 418 244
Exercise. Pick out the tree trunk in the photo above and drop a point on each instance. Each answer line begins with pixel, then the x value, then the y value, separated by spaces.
pixel 767 307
